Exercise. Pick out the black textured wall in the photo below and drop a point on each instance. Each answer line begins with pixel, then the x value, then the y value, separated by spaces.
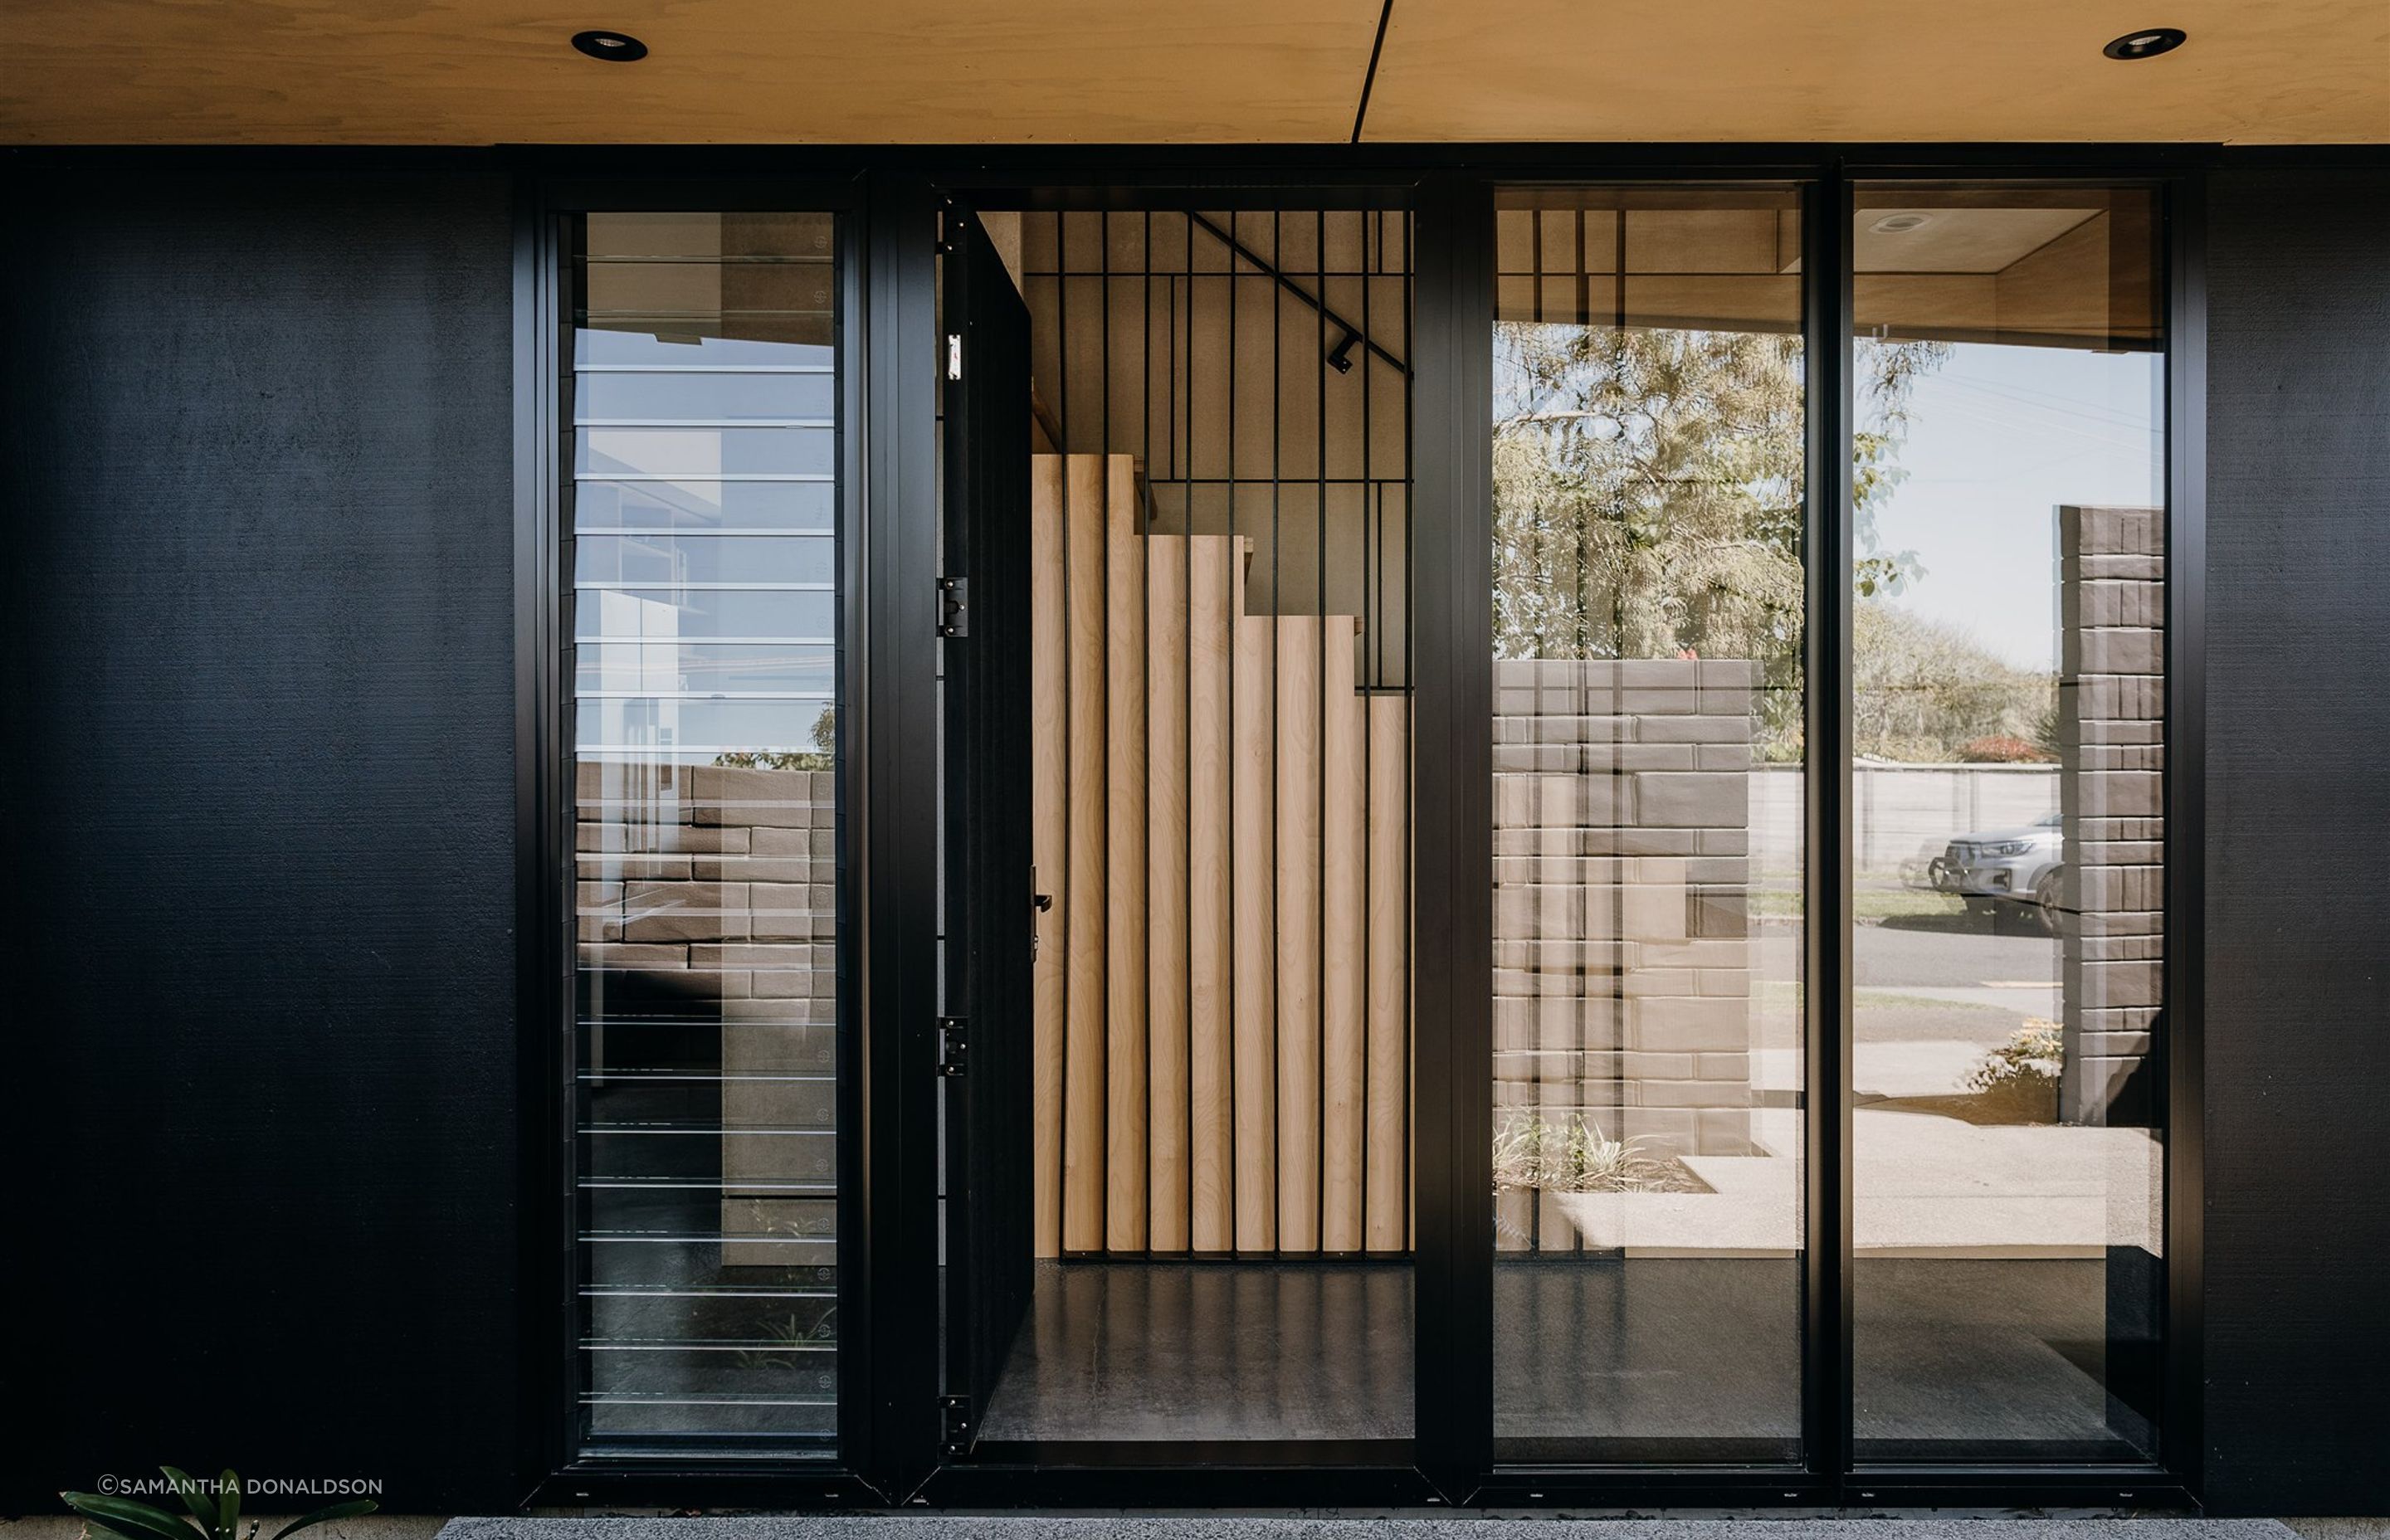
pixel 2298 895
pixel 262 1155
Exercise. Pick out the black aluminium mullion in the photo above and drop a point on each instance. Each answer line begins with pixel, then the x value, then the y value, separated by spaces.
pixel 1826 941
pixel 549 1259
pixel 897 744
pixel 1145 630
pixel 959 843
pixel 1452 926
pixel 1319 828
pixel 1104 533
pixel 854 1352
pixel 1186 280
pixel 1236 635
pixel 2181 1440
pixel 1368 703
pixel 1071 896
pixel 1410 725
pixel 1276 633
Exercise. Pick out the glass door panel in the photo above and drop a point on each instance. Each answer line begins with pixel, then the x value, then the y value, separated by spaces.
pixel 2008 692
pixel 1649 784
pixel 1219 1109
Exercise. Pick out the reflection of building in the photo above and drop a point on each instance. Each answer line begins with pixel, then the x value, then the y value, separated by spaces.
pixel 2110 724
pixel 1622 986
pixel 1621 875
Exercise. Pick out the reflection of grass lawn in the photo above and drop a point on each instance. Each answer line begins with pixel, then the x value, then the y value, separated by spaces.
pixel 1866 903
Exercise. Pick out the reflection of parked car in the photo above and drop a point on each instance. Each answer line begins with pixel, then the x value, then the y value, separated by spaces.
pixel 2020 865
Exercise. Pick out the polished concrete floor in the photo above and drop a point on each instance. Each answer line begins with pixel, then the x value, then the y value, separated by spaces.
pixel 1205 1351
pixel 1594 1358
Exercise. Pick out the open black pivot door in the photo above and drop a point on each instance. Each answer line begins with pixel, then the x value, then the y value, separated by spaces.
pixel 983 362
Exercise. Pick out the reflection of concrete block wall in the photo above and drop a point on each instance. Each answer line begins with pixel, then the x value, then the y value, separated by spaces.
pixel 2111 713
pixel 1622 984
pixel 707 895
pixel 1905 814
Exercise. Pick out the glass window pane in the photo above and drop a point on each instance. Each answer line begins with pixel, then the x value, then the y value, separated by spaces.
pixel 605 612
pixel 1649 583
pixel 697 454
pixel 705 561
pixel 2007 691
pixel 723 667
pixel 708 395
pixel 705 557
pixel 702 503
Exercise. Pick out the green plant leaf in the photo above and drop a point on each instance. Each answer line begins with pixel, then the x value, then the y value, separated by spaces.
pixel 324 1515
pixel 204 1509
pixel 136 1520
pixel 110 1526
pixel 228 1523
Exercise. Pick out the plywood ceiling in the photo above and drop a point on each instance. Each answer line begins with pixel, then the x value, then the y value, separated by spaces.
pixel 1187 71
pixel 2254 71
pixel 720 71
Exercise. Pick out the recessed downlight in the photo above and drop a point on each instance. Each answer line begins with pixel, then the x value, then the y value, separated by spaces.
pixel 2148 43
pixel 613 48
pixel 1901 223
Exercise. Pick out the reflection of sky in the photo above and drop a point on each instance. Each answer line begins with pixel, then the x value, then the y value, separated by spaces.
pixel 1998 437
pixel 703 523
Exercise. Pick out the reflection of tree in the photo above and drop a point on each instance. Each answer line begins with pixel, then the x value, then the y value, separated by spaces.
pixel 1647 487
pixel 1922 690
pixel 823 756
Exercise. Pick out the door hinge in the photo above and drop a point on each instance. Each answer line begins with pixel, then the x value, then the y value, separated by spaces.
pixel 955 1430
pixel 953 602
pixel 954 1044
pixel 954 356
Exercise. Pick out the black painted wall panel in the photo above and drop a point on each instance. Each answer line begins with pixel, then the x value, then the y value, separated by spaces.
pixel 263 1168
pixel 2298 903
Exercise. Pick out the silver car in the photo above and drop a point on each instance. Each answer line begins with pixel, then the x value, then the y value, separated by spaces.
pixel 2016 865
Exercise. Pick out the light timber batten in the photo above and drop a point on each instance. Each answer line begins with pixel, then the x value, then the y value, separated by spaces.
pixel 1224 1053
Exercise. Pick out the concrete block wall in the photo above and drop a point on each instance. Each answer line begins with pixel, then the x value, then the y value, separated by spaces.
pixel 706 895
pixel 2112 706
pixel 1621 867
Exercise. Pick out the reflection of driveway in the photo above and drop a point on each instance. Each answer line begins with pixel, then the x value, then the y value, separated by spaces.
pixel 1929 1001
pixel 1909 959
pixel 1924 1187
pixel 1912 1068
pixel 1927 1185
pixel 2022 996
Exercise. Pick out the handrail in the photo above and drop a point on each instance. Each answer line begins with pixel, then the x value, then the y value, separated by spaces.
pixel 1340 356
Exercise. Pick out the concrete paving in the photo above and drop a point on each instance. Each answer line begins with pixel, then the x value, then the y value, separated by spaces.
pixel 1423 1527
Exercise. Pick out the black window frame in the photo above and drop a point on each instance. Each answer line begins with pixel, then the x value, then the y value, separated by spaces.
pixel 887 199
pixel 544 798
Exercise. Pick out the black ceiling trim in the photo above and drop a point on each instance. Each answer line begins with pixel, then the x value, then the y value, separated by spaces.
pixel 1369 81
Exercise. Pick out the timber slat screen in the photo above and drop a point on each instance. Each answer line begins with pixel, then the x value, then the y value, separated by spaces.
pixel 1220 713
